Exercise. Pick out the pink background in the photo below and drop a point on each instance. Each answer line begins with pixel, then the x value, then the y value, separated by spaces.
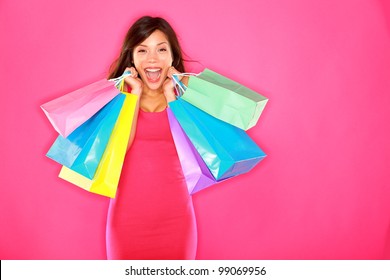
pixel 323 191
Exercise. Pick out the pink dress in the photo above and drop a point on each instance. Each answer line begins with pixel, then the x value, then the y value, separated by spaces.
pixel 152 216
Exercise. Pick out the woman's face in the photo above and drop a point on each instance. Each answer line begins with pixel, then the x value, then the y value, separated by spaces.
pixel 152 59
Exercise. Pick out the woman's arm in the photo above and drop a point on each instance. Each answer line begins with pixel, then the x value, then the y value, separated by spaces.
pixel 168 87
pixel 134 124
pixel 136 85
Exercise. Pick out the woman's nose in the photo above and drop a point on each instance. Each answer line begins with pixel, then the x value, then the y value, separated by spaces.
pixel 152 56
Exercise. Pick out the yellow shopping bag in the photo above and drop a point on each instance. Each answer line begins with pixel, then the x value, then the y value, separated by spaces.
pixel 106 179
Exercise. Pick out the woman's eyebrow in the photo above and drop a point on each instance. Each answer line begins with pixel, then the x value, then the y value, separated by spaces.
pixel 145 46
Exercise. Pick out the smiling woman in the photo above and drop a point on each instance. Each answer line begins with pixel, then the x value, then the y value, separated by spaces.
pixel 152 216
pixel 153 57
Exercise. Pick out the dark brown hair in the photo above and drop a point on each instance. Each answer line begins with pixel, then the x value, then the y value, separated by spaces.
pixel 139 32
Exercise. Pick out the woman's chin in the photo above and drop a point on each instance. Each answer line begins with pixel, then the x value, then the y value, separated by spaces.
pixel 155 88
pixel 154 85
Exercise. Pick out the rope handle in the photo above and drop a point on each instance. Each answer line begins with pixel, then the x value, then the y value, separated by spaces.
pixel 117 81
pixel 180 87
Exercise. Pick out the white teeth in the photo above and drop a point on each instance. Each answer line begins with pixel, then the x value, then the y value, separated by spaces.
pixel 153 73
pixel 153 70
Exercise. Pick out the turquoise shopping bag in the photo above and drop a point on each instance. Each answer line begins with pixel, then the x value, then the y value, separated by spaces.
pixel 226 149
pixel 195 171
pixel 83 149
pixel 223 98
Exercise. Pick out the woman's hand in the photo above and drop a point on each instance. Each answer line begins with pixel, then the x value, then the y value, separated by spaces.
pixel 134 82
pixel 168 86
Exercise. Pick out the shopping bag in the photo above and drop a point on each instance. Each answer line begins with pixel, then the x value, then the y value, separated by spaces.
pixel 224 99
pixel 106 179
pixel 227 150
pixel 69 111
pixel 195 171
pixel 83 149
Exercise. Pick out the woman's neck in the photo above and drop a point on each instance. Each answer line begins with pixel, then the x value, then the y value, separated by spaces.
pixel 152 92
pixel 153 100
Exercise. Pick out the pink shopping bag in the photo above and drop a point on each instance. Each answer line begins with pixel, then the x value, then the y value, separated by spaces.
pixel 68 112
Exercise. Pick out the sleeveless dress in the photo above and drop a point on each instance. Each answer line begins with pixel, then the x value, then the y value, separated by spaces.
pixel 152 215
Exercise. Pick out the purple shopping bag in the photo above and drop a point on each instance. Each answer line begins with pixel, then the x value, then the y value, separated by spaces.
pixel 68 112
pixel 195 171
pixel 227 150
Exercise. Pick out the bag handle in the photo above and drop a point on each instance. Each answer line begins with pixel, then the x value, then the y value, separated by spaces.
pixel 180 87
pixel 119 80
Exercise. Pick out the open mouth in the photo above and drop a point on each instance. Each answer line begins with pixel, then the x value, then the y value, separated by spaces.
pixel 153 74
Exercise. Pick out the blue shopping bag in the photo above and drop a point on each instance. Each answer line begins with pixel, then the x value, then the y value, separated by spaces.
pixel 195 171
pixel 82 150
pixel 226 149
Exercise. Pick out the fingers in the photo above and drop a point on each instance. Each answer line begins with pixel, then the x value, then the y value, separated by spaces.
pixel 168 90
pixel 172 70
pixel 132 71
pixel 133 81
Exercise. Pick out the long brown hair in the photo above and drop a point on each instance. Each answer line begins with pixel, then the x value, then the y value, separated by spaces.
pixel 139 32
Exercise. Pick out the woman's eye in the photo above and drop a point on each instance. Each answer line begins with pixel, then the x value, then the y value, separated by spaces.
pixel 141 51
pixel 163 50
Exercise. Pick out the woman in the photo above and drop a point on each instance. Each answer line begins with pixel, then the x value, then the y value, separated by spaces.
pixel 152 216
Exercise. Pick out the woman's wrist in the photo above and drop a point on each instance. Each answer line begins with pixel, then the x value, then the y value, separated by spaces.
pixel 137 92
pixel 170 96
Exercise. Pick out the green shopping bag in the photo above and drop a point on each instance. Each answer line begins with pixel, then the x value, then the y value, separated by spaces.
pixel 224 99
pixel 226 150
